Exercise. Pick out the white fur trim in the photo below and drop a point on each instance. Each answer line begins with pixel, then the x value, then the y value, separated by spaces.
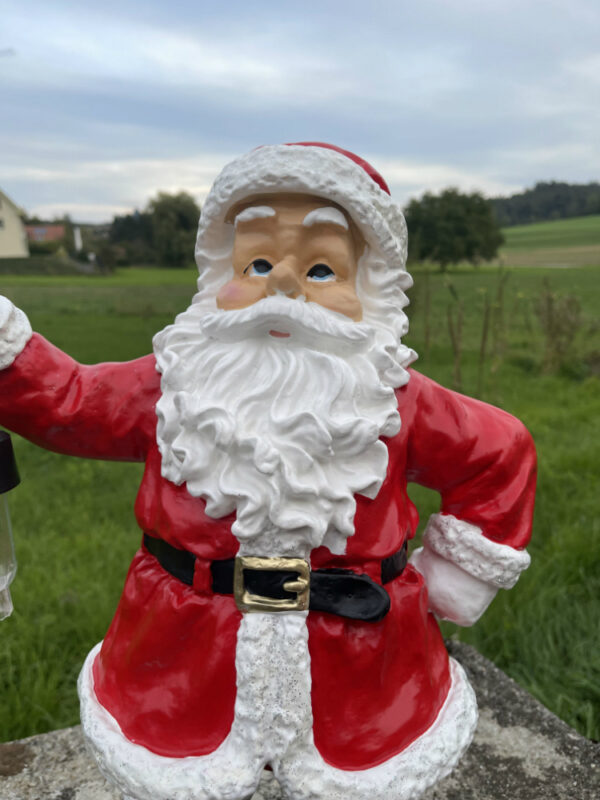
pixel 15 332
pixel 307 170
pixel 273 724
pixel 465 545
pixel 453 593
pixel 306 776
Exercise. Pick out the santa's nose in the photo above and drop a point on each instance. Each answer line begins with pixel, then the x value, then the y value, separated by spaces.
pixel 283 278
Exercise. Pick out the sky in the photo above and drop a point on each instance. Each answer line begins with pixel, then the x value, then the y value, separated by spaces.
pixel 102 105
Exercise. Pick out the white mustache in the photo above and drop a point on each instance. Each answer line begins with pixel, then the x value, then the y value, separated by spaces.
pixel 309 325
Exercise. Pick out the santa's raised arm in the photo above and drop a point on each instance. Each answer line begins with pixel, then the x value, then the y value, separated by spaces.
pixel 270 616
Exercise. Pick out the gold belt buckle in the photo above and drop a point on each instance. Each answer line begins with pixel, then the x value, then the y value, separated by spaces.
pixel 246 601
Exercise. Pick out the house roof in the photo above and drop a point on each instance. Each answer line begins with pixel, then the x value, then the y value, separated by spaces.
pixel 6 199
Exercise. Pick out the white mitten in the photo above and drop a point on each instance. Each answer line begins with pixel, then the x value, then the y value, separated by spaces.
pixel 463 570
pixel 15 332
pixel 453 593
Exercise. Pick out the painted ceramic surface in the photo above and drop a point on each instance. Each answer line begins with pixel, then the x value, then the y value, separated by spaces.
pixel 387 679
pixel 279 417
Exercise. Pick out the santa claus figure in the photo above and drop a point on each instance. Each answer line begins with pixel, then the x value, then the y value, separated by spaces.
pixel 269 618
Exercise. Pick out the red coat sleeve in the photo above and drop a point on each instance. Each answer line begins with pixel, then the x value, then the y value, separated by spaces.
pixel 481 459
pixel 99 411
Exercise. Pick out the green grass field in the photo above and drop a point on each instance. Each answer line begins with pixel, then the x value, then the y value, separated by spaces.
pixel 75 531
pixel 562 243
pixel 574 232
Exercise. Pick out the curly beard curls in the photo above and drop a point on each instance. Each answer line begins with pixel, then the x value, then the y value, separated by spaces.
pixel 284 431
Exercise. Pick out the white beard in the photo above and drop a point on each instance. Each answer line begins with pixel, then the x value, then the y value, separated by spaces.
pixel 285 431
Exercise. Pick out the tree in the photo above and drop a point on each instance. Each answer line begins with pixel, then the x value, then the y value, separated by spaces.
pixel 131 239
pixel 452 227
pixel 174 224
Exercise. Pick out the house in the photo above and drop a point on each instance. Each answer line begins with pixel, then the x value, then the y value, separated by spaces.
pixel 45 233
pixel 13 236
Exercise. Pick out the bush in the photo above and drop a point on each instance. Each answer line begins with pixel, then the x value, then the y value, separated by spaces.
pixel 560 319
pixel 39 265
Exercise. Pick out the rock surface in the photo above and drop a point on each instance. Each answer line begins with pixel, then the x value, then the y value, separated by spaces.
pixel 520 751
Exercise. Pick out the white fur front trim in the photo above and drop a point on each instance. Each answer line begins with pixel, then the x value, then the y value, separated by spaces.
pixel 304 775
pixel 465 545
pixel 15 332
pixel 273 724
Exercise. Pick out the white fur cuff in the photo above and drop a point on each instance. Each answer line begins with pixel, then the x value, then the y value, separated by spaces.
pixel 463 544
pixel 15 332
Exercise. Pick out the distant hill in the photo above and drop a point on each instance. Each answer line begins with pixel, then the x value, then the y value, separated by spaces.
pixel 580 232
pixel 548 201
pixel 562 243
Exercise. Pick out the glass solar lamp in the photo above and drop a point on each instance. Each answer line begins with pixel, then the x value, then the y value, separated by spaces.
pixel 9 478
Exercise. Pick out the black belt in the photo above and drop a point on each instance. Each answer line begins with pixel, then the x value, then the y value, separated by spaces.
pixel 335 591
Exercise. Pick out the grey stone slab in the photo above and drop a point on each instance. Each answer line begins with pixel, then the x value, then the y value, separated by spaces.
pixel 521 751
pixel 52 766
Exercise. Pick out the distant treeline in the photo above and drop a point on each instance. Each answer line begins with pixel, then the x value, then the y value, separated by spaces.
pixel 164 233
pixel 548 201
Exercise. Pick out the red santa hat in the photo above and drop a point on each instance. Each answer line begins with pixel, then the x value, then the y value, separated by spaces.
pixel 314 168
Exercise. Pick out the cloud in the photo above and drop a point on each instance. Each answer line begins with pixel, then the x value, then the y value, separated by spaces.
pixel 94 191
pixel 108 104
pixel 70 189
pixel 587 68
pixel 71 49
pixel 407 180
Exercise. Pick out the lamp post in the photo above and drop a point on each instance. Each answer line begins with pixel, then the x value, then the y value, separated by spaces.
pixel 9 478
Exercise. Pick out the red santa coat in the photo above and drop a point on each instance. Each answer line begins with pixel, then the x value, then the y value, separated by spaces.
pixel 166 671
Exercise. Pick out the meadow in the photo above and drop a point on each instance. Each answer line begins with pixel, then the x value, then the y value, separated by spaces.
pixel 573 232
pixel 559 244
pixel 73 519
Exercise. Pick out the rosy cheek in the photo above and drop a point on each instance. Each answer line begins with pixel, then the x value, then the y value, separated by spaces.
pixel 230 295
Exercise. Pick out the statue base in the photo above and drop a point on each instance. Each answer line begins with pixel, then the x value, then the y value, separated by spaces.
pixel 520 750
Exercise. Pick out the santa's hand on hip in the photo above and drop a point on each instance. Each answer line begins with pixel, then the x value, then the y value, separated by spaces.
pixel 454 594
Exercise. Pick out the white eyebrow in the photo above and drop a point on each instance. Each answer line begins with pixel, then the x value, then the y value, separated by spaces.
pixel 254 212
pixel 329 214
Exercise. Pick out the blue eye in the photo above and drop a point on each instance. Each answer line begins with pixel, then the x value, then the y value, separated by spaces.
pixel 260 266
pixel 321 272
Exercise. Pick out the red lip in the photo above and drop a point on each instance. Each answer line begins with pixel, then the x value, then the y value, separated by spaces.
pixel 279 334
